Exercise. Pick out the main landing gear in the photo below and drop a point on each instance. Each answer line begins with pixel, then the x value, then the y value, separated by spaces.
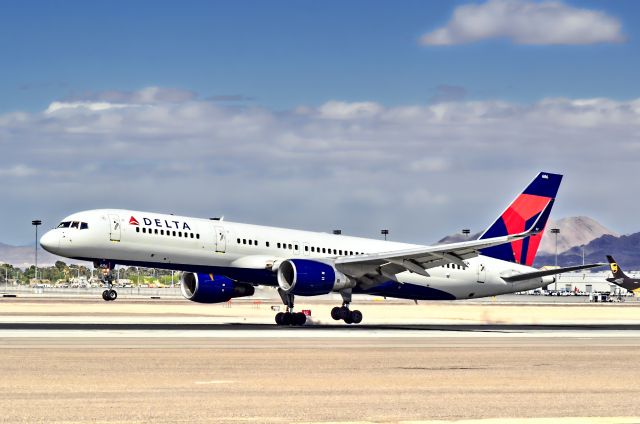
pixel 289 317
pixel 107 279
pixel 344 313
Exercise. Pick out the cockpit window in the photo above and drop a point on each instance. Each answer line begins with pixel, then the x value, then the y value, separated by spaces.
pixel 64 224
pixel 84 226
pixel 74 224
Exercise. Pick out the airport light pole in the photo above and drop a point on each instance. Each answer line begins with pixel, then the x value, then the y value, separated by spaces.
pixel 35 223
pixel 466 232
pixel 337 232
pixel 556 231
pixel 385 233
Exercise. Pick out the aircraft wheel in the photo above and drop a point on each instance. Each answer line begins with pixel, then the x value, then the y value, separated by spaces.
pixel 279 316
pixel 344 313
pixel 356 317
pixel 348 319
pixel 113 295
pixel 300 319
pixel 286 318
pixel 336 314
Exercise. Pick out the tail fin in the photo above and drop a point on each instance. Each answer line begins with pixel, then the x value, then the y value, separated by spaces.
pixel 615 269
pixel 521 214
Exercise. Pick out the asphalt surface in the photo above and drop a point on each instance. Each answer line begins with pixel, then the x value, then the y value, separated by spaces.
pixel 156 362
pixel 295 379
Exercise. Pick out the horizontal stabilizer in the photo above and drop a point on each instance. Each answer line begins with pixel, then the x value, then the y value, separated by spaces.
pixel 538 274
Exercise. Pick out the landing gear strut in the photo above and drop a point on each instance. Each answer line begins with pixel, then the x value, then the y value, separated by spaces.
pixel 107 279
pixel 289 317
pixel 344 313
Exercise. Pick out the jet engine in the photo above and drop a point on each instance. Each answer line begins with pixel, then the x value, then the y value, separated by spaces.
pixel 307 277
pixel 209 288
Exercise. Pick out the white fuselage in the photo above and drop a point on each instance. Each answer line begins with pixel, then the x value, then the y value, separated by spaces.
pixel 249 252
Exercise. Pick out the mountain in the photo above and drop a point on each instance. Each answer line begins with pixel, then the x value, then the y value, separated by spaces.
pixel 23 256
pixel 574 231
pixel 625 249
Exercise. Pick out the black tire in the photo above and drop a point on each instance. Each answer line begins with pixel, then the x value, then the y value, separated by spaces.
pixel 286 318
pixel 113 295
pixel 356 316
pixel 105 295
pixel 300 319
pixel 349 319
pixel 335 313
pixel 344 313
pixel 279 318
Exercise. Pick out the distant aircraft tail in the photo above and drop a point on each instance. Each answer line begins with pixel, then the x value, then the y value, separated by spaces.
pixel 520 215
pixel 615 269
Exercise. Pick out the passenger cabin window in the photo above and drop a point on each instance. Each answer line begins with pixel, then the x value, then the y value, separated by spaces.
pixel 267 243
pixel 278 245
pixel 198 236
pixel 238 241
pixel 137 229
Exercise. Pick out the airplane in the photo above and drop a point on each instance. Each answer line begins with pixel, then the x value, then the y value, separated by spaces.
pixel 621 279
pixel 221 260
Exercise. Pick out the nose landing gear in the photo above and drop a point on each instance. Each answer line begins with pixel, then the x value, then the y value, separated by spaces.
pixel 109 294
pixel 107 279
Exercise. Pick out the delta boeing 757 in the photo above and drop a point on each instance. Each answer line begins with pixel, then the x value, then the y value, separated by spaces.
pixel 222 260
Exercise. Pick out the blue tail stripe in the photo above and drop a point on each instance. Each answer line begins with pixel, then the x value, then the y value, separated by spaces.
pixel 545 185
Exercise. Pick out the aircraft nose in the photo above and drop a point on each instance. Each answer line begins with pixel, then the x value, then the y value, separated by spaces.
pixel 49 241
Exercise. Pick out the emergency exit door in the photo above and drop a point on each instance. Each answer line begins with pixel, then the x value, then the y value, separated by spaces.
pixel 482 273
pixel 221 240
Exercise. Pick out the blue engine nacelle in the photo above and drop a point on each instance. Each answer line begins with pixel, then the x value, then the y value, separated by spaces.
pixel 209 288
pixel 307 277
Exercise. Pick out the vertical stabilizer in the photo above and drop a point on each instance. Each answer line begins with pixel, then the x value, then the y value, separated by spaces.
pixel 615 268
pixel 520 215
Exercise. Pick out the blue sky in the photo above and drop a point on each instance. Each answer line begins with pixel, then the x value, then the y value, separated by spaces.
pixel 422 116
pixel 282 54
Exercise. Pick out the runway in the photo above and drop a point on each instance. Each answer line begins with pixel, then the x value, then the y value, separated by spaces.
pixel 161 362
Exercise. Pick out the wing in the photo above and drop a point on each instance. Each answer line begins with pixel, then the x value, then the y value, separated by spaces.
pixel 373 269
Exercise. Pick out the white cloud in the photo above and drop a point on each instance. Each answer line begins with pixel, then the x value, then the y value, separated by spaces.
pixel 423 170
pixel 18 170
pixel 526 22
pixel 89 106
